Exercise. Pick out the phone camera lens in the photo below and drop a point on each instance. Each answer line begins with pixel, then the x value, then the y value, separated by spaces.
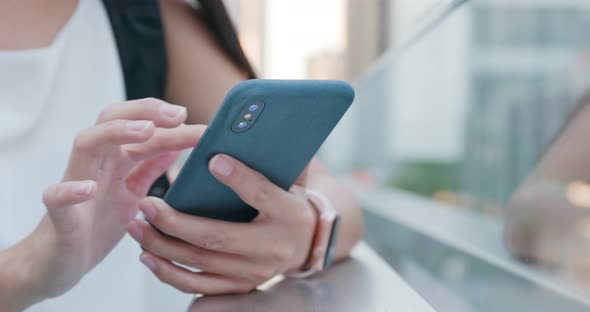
pixel 253 107
pixel 242 125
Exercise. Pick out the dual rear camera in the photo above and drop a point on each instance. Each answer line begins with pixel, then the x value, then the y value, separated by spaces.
pixel 247 116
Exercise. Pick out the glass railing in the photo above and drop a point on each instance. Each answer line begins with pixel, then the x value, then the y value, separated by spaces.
pixel 481 110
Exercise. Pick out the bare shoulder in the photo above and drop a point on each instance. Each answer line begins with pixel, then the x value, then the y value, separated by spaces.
pixel 199 72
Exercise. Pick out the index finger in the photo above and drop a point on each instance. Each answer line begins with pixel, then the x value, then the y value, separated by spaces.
pixel 216 235
pixel 163 114
pixel 166 140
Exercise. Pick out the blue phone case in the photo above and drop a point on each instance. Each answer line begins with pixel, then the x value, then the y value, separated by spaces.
pixel 297 116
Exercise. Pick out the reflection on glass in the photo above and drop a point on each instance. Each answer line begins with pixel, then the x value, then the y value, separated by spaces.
pixel 487 113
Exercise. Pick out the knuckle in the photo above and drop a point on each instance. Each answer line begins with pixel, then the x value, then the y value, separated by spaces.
pixel 213 240
pixel 196 261
pixel 282 254
pixel 113 128
pixel 149 241
pixel 108 133
pixel 158 142
pixel 165 219
pixel 263 192
pixel 151 102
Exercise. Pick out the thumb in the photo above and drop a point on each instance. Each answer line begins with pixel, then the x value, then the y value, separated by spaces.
pixel 59 198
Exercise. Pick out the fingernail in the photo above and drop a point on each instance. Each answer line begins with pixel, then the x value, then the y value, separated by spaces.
pixel 148 209
pixel 221 165
pixel 137 125
pixel 83 188
pixel 172 111
pixel 148 261
pixel 135 231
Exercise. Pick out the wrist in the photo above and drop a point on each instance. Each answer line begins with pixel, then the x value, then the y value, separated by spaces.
pixel 321 247
pixel 309 230
pixel 26 269
pixel 17 280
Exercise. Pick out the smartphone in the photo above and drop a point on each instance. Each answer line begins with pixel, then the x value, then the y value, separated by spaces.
pixel 273 126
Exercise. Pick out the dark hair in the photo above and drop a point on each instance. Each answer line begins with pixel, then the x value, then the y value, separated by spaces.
pixel 217 19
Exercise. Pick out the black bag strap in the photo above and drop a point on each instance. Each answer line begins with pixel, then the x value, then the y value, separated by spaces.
pixel 138 31
pixel 139 34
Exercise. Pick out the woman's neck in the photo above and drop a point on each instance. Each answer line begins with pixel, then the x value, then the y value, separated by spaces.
pixel 33 23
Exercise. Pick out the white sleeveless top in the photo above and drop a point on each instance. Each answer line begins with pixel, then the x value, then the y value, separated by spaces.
pixel 46 96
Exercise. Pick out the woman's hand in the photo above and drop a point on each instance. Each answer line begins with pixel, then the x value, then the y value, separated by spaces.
pixel 110 170
pixel 232 257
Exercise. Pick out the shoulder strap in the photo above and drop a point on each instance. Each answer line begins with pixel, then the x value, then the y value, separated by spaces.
pixel 139 34
pixel 138 31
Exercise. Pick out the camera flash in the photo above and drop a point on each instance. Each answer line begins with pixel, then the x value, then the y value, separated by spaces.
pixel 247 116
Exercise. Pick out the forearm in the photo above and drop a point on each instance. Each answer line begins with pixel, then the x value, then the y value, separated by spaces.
pixel 351 226
pixel 16 293
pixel 539 219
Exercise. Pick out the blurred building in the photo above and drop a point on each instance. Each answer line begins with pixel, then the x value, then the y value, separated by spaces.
pixel 327 65
pixel 360 139
pixel 369 32
pixel 486 90
pixel 521 77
